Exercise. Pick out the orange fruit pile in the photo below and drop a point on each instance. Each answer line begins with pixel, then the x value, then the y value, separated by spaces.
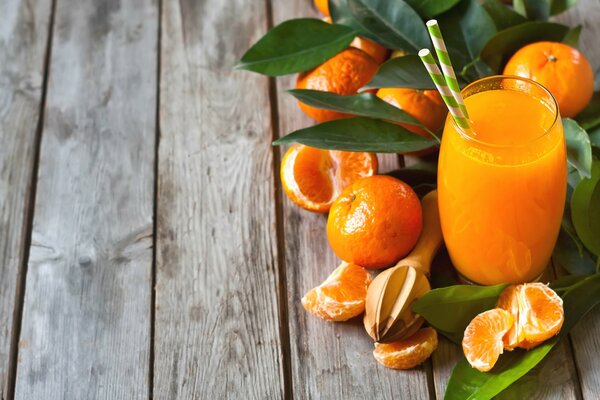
pixel 525 316
pixel 375 222
pixel 563 70
pixel 341 296
pixel 314 178
pixel 343 74
pixel 407 353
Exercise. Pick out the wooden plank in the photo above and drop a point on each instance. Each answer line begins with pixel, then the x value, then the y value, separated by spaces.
pixel 23 40
pixel 86 319
pixel 329 360
pixel 217 329
pixel 584 337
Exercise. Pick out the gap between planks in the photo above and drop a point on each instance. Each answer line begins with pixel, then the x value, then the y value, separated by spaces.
pixel 155 207
pixel 28 221
pixel 284 332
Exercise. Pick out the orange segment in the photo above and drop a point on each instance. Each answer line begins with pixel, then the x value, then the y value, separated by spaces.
pixel 541 312
pixel 509 301
pixel 538 313
pixel 314 178
pixel 341 296
pixel 482 341
pixel 407 353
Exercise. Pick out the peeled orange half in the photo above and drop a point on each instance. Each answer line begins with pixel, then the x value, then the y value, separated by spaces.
pixel 341 296
pixel 314 178
pixel 538 313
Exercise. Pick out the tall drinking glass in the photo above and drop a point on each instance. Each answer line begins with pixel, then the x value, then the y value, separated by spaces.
pixel 502 184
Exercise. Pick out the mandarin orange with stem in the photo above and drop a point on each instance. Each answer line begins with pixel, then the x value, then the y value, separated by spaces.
pixel 409 352
pixel 343 74
pixel 341 296
pixel 562 69
pixel 313 178
pixel 375 222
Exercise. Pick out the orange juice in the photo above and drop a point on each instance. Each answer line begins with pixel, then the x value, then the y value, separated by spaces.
pixel 502 184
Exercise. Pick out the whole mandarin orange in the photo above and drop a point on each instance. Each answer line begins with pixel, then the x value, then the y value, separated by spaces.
pixel 563 70
pixel 375 50
pixel 343 74
pixel 322 6
pixel 375 222
pixel 426 106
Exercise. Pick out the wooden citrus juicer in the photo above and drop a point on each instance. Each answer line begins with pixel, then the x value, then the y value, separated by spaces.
pixel 388 315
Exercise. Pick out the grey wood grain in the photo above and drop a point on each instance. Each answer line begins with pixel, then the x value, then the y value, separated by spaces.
pixel 217 321
pixel 584 337
pixel 329 360
pixel 23 40
pixel 86 319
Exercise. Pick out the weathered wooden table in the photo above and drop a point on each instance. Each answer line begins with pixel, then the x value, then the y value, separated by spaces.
pixel 146 250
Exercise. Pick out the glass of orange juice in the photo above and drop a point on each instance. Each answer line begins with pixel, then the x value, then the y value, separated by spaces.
pixel 502 183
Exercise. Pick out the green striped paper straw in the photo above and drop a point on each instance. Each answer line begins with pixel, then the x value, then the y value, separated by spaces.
pixel 440 83
pixel 444 57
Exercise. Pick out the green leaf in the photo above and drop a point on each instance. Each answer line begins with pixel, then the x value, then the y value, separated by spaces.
pixel 401 72
pixel 506 42
pixel 450 309
pixel 466 29
pixel 394 23
pixel 594 135
pixel 364 105
pixel 558 6
pixel 533 9
pixel 569 252
pixel 503 16
pixel 564 283
pixel 571 255
pixel 340 14
pixel 585 210
pixel 468 383
pixel 431 8
pixel 590 116
pixel 296 45
pixel 359 134
pixel 579 148
pixel 572 37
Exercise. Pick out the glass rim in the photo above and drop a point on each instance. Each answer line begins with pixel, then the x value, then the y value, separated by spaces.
pixel 553 104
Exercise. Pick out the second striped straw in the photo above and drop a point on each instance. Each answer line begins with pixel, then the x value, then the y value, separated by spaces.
pixel 446 83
